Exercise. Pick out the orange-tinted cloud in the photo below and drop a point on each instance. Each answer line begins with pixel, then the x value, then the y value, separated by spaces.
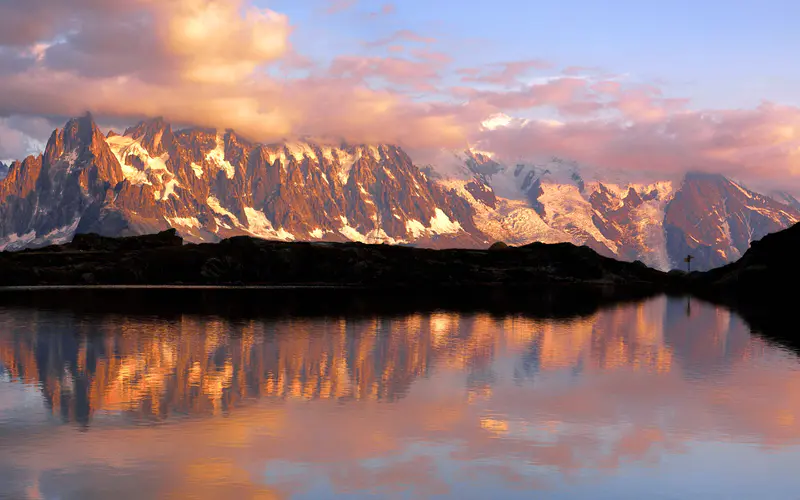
pixel 205 63
pixel 187 40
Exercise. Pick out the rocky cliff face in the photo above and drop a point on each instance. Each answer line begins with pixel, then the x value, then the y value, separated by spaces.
pixel 48 198
pixel 211 185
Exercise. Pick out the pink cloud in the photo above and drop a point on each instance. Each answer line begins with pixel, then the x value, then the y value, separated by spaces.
pixel 336 6
pixel 293 60
pixel 580 70
pixel 385 10
pixel 645 105
pixel 503 73
pixel 401 36
pixel 558 92
pixel 392 69
pixel 432 56
pixel 581 108
pixel 607 87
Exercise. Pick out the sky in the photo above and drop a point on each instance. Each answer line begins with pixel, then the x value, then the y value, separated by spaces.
pixel 722 53
pixel 657 87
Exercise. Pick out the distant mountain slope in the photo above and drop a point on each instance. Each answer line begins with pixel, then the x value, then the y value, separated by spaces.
pixel 715 220
pixel 708 216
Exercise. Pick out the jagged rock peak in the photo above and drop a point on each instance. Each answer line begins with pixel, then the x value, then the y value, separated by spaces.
pixel 155 135
pixel 81 132
pixel 79 135
pixel 633 198
pixel 152 125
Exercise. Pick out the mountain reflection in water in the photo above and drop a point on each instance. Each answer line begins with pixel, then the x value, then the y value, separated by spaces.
pixel 634 398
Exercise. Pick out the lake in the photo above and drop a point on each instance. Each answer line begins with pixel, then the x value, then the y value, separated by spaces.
pixel 662 398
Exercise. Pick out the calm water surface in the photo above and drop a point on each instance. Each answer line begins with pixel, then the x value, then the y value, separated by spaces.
pixel 636 401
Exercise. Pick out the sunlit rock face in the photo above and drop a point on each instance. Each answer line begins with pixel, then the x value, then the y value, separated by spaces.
pixel 211 184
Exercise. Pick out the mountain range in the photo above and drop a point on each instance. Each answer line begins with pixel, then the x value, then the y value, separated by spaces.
pixel 211 185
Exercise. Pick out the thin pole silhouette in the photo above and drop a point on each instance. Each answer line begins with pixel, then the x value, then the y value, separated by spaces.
pixel 688 261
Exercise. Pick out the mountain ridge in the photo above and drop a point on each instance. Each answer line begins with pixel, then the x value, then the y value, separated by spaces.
pixel 211 185
pixel 215 185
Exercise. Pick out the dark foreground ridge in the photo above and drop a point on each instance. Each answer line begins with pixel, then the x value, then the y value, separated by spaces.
pixel 164 259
